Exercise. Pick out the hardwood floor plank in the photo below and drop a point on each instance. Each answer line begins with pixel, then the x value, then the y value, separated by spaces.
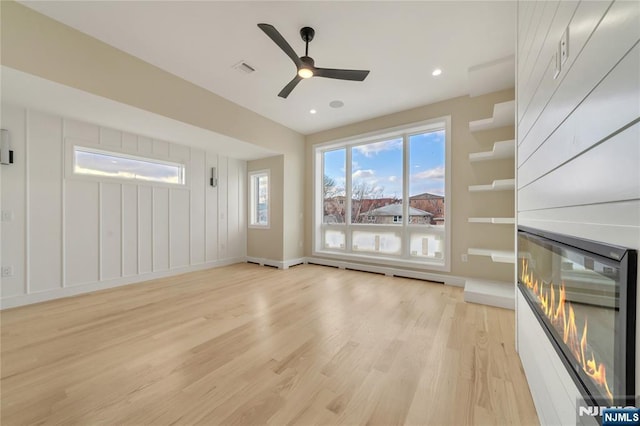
pixel 246 344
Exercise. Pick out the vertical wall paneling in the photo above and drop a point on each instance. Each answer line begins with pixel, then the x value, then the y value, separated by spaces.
pixel 71 233
pixel 161 149
pixel 81 130
pixel 211 196
pixel 145 229
pixel 129 143
pixel 145 146
pixel 111 230
pixel 82 232
pixel 14 201
pixel 160 229
pixel 233 222
pixel 110 138
pixel 45 199
pixel 223 242
pixel 199 183
pixel 179 228
pixel 129 230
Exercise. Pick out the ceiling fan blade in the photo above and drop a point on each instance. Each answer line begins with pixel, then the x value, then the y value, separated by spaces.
pixel 354 75
pixel 281 42
pixel 289 87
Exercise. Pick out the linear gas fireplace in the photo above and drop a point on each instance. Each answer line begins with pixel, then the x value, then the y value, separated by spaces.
pixel 584 295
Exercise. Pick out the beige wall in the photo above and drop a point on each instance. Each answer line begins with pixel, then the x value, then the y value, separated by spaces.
pixel 463 204
pixel 266 243
pixel 38 45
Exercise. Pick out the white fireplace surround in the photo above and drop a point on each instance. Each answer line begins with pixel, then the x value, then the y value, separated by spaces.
pixel 577 155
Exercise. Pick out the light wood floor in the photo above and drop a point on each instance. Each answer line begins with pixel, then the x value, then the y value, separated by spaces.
pixel 247 344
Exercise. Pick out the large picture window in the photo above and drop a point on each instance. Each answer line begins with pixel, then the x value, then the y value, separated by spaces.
pixel 384 196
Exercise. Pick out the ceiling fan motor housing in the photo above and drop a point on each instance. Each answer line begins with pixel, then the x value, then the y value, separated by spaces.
pixel 308 60
pixel 307 34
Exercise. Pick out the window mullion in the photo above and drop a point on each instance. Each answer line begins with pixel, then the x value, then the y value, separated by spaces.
pixel 405 196
pixel 348 198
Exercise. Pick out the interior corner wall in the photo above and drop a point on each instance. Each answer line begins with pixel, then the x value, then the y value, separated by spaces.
pixel 463 203
pixel 578 153
pixel 267 243
pixel 69 234
pixel 293 212
pixel 38 45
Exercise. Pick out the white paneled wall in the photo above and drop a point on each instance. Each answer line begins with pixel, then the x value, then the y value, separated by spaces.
pixel 578 162
pixel 70 234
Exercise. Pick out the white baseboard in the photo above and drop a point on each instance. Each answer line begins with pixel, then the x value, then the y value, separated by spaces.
pixel 395 272
pixel 43 296
pixel 280 264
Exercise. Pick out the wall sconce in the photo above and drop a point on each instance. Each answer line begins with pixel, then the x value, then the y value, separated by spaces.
pixel 213 181
pixel 6 153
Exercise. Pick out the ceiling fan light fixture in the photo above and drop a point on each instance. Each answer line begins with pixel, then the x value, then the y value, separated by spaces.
pixel 305 72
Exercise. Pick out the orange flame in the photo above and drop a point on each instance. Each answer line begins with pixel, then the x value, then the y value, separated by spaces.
pixel 566 324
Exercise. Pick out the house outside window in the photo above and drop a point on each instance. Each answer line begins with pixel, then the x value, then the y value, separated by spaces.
pixel 382 197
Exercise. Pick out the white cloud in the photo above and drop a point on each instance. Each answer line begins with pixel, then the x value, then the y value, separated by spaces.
pixel 363 174
pixel 393 178
pixel 435 173
pixel 372 149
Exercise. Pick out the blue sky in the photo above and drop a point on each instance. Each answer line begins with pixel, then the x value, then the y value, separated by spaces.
pixel 379 165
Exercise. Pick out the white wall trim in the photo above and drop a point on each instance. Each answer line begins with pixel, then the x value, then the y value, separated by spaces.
pixel 392 272
pixel 396 272
pixel 28 299
pixel 280 264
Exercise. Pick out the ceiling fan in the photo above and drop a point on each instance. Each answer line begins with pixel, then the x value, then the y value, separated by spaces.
pixel 305 64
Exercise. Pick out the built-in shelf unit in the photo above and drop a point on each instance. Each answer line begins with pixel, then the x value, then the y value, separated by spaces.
pixel 503 115
pixel 495 293
pixel 501 150
pixel 496 185
pixel 493 220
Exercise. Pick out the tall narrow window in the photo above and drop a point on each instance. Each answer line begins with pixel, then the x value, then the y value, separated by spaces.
pixel 333 186
pixel 426 194
pixel 259 199
pixel 382 197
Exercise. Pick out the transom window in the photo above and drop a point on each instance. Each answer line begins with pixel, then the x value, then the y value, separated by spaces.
pixel 99 163
pixel 383 196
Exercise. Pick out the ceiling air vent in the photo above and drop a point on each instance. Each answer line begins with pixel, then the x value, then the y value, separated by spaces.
pixel 244 67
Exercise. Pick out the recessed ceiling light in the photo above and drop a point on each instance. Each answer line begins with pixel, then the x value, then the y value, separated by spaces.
pixel 312 111
pixel 436 72
pixel 336 104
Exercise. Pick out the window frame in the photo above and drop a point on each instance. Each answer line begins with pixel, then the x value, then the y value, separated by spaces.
pixel 252 194
pixel 70 149
pixel 405 259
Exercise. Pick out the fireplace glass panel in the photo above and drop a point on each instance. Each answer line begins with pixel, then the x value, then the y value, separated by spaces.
pixel 577 296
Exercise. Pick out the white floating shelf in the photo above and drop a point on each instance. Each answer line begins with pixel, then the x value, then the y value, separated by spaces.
pixel 498 256
pixel 496 185
pixel 492 293
pixel 501 150
pixel 494 220
pixel 503 115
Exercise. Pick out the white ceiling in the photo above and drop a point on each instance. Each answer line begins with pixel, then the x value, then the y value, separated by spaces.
pixel 400 42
